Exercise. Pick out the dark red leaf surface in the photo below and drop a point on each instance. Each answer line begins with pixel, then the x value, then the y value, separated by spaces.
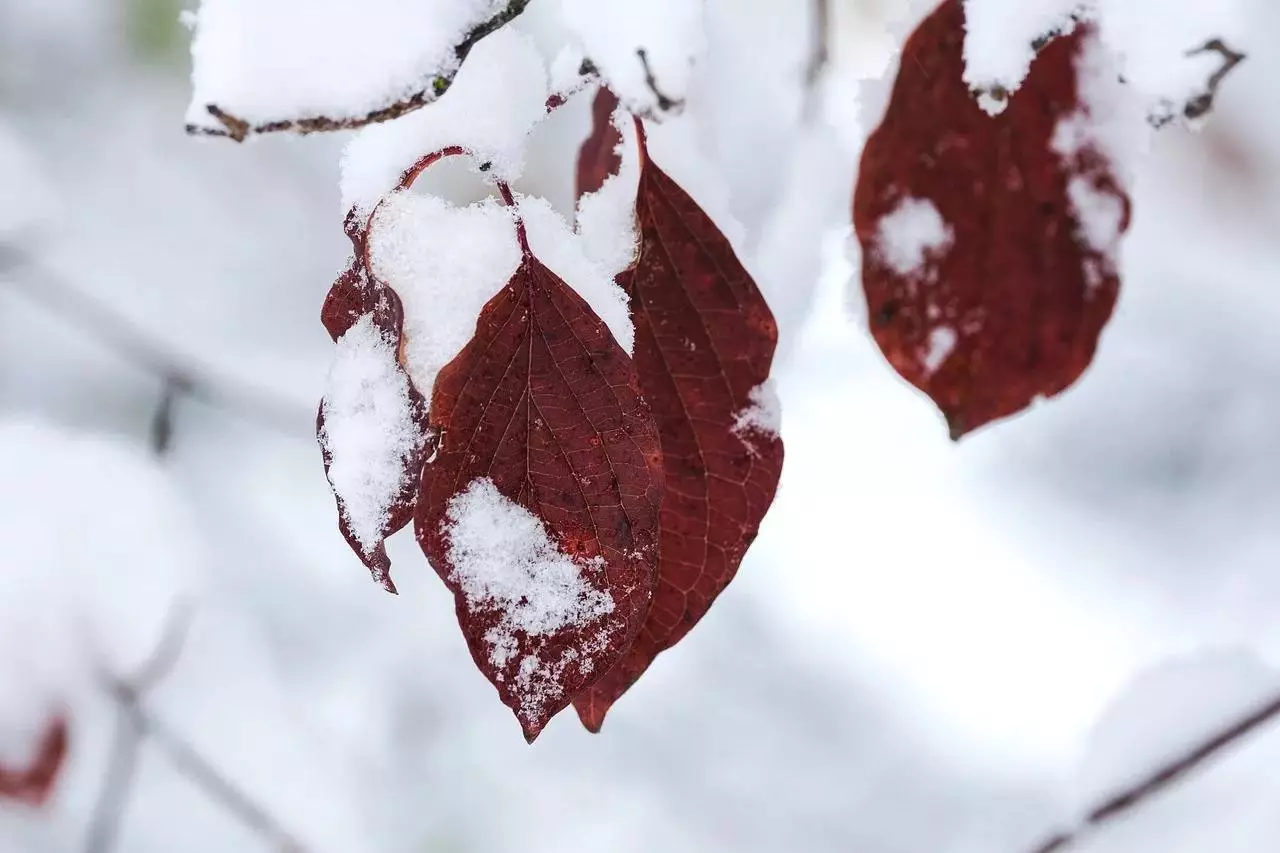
pixel 355 294
pixel 704 342
pixel 598 157
pixel 1019 298
pixel 544 403
pixel 33 784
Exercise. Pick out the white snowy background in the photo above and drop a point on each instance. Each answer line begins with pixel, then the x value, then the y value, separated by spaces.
pixel 932 647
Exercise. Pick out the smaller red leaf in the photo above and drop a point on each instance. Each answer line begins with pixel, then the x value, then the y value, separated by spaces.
pixel 705 339
pixel 33 784
pixel 988 241
pixel 372 425
pixel 540 508
pixel 598 158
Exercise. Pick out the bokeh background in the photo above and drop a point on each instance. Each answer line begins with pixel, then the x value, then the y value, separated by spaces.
pixel 932 647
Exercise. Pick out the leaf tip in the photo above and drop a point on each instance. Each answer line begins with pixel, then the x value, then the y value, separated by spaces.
pixel 591 713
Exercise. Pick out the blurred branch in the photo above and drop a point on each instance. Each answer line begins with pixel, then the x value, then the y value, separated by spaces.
pixel 179 371
pixel 1202 104
pixel 136 726
pixel 1177 770
pixel 238 129
pixel 665 103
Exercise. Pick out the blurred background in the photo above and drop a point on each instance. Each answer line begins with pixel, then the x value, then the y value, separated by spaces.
pixel 932 647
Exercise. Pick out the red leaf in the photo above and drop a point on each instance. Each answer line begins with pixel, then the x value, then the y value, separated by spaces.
pixel 354 295
pixel 1008 305
pixel 33 784
pixel 598 157
pixel 543 435
pixel 704 344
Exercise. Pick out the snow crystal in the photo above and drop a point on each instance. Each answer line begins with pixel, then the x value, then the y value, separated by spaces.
pixel 999 39
pixel 445 263
pixel 1167 711
pixel 565 254
pixel 762 418
pixel 607 217
pixel 910 234
pixel 369 429
pixel 496 99
pixel 503 559
pixel 670 32
pixel 264 60
pixel 566 69
pixel 942 342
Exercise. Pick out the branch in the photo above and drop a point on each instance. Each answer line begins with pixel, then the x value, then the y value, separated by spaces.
pixel 137 725
pixel 179 371
pixel 237 129
pixel 1175 771
pixel 665 104
pixel 1202 104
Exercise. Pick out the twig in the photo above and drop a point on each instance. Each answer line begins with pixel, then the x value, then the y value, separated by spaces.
pixel 1202 104
pixel 1175 771
pixel 137 345
pixel 137 725
pixel 820 53
pixel 665 104
pixel 237 129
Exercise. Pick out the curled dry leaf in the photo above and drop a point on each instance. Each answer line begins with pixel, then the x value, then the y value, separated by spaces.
pixel 540 509
pixel 34 783
pixel 705 340
pixel 373 504
pixel 988 242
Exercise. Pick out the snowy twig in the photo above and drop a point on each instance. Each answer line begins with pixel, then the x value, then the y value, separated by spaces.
pixel 1202 104
pixel 1175 771
pixel 665 103
pixel 820 53
pixel 138 725
pixel 237 129
pixel 179 372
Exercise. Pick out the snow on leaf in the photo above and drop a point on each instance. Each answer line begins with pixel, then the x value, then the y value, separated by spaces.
pixel 911 234
pixel 1035 209
pixel 608 174
pixel 496 99
pixel 1001 39
pixel 372 424
pixel 542 408
pixel 256 70
pixel 33 783
pixel 705 340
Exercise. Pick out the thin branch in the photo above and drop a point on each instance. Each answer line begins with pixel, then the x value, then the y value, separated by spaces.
pixel 122 766
pixel 1175 771
pixel 235 128
pixel 137 345
pixel 665 104
pixel 820 53
pixel 1202 104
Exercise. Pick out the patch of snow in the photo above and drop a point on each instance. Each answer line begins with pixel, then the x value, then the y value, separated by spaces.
pixel 566 69
pixel 911 234
pixel 498 96
pixel 762 418
pixel 369 430
pixel 265 60
pixel 942 342
pixel 503 559
pixel 565 253
pixel 999 38
pixel 445 263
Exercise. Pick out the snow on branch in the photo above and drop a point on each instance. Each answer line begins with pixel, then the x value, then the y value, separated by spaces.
pixel 232 90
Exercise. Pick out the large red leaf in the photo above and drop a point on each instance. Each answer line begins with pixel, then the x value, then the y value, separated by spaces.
pixel 985 288
pixel 540 510
pixel 355 295
pixel 704 346
pixel 34 783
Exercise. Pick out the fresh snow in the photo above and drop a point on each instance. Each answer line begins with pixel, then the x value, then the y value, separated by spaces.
pixel 266 60
pixel 565 253
pixel 414 246
pixel 998 42
pixel 502 559
pixel 942 342
pixel 369 429
pixel 498 96
pixel 912 233
pixel 763 417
